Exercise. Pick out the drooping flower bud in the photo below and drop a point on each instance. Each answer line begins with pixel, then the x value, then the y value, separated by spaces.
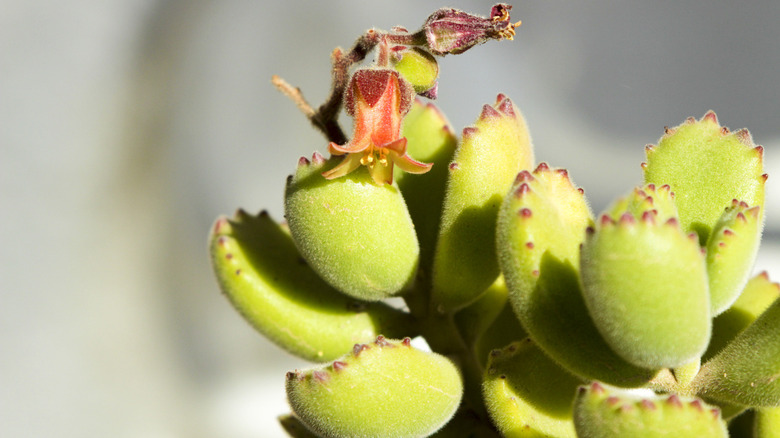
pixel 451 31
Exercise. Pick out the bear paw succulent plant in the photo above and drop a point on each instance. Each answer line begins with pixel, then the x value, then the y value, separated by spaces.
pixel 542 319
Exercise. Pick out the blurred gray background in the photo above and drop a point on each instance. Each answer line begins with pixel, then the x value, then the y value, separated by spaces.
pixel 128 126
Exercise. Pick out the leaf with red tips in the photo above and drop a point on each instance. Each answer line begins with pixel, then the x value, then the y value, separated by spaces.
pixel 731 251
pixel 381 392
pixel 334 225
pixel 257 267
pixel 543 280
pixel 645 286
pixel 706 166
pixel 490 155
pixel 527 394
pixel 614 413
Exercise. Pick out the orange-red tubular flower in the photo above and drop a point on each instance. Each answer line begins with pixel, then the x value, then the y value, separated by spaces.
pixel 377 99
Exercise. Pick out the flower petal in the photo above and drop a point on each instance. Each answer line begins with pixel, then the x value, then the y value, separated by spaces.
pixel 397 146
pixel 350 147
pixel 407 164
pixel 347 165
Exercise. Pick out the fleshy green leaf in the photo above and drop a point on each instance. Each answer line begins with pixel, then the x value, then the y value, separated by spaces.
pixel 429 139
pixel 527 394
pixel 260 271
pixel 384 389
pixel 731 251
pixel 355 234
pixel 540 228
pixel 645 286
pixel 488 158
pixel 747 370
pixel 601 412
pixel 707 166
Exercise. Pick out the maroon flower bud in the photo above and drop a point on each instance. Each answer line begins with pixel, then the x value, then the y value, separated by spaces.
pixel 450 31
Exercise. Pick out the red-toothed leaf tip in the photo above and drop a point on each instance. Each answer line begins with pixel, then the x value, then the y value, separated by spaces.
pixel 507 108
pixel 647 404
pixel 488 112
pixel 469 131
pixel 358 348
pixel 522 190
pixel 317 158
pixel 523 176
pixel 744 136
pixel 542 167
pixel 711 116
pixel 627 218
pixel 674 400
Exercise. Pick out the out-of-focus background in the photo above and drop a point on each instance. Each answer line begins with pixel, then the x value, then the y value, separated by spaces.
pixel 128 126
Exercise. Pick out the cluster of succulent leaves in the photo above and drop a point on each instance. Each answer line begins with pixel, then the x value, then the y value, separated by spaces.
pixel 543 319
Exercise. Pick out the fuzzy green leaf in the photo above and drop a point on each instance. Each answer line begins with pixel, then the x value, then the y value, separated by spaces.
pixel 260 271
pixel 747 370
pixel 540 228
pixel 731 251
pixel 601 412
pixel 429 138
pixel 707 167
pixel 384 389
pixel 355 234
pixel 527 394
pixel 645 286
pixel 489 156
